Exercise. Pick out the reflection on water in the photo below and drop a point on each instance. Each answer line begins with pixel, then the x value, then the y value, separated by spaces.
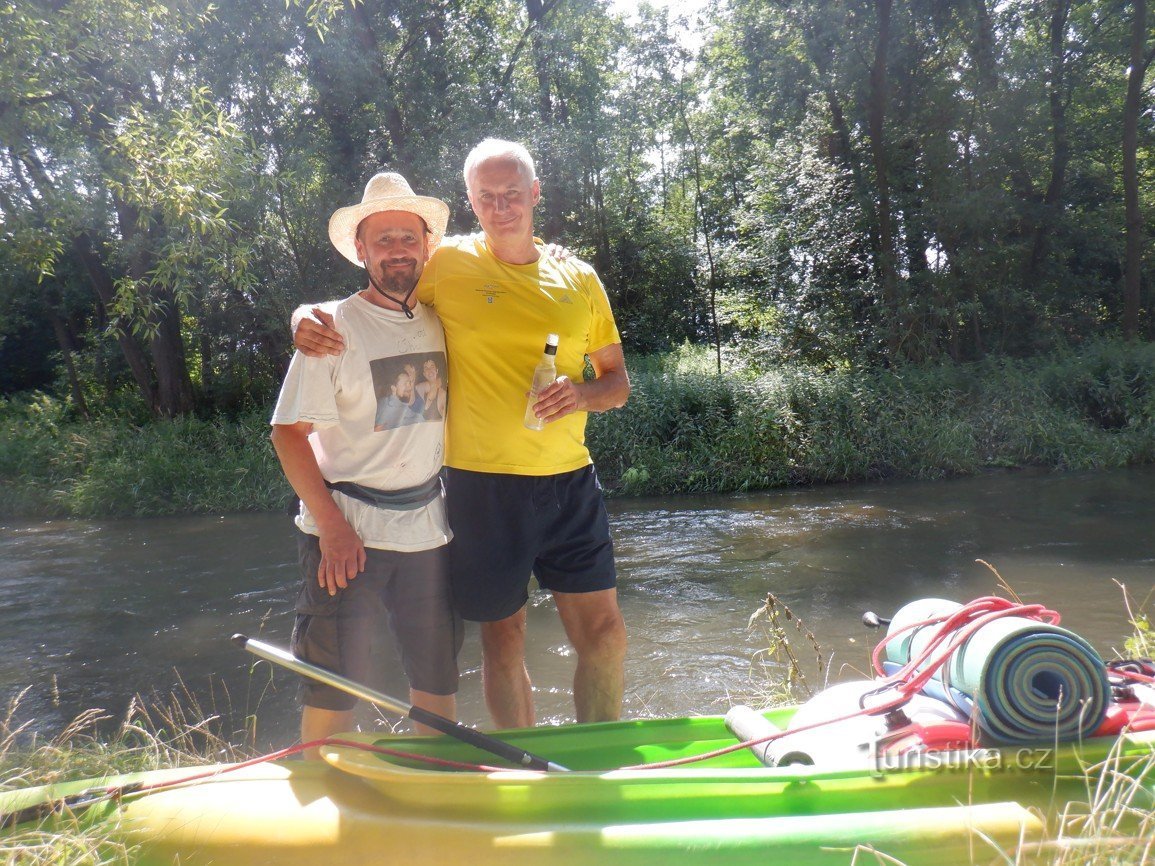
pixel 97 611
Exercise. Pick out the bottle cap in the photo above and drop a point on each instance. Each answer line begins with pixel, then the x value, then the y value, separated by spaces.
pixel 551 340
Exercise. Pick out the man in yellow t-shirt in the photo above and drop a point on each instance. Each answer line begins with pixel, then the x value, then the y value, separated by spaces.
pixel 521 500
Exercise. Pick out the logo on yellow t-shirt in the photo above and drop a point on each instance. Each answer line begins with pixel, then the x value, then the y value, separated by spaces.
pixel 491 291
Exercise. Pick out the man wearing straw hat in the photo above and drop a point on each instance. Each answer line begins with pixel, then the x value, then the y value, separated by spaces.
pixel 365 462
pixel 523 501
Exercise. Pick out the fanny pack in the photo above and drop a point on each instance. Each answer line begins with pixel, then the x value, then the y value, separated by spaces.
pixel 406 499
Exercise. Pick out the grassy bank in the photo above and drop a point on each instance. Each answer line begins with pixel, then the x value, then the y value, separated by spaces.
pixel 685 429
pixel 178 732
pixel 52 464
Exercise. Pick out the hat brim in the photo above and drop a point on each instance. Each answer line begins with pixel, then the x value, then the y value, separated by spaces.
pixel 344 221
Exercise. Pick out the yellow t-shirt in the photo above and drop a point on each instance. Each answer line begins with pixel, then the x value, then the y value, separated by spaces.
pixel 496 317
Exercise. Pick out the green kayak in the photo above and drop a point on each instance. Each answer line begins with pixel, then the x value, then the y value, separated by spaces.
pixel 613 805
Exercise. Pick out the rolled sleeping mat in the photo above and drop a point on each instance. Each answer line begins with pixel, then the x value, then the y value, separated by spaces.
pixel 830 730
pixel 747 724
pixel 938 691
pixel 1030 681
pixel 912 642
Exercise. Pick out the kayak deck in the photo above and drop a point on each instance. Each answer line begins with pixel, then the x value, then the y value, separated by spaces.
pixel 733 785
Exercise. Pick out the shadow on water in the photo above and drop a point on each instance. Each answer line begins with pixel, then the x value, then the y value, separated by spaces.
pixel 97 611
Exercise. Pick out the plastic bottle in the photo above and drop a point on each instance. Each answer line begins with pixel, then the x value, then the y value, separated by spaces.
pixel 543 376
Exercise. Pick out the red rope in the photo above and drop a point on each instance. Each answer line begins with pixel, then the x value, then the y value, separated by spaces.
pixel 152 787
pixel 955 629
pixel 1131 675
pixel 885 707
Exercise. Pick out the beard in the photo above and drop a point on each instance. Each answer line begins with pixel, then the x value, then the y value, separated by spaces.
pixel 396 282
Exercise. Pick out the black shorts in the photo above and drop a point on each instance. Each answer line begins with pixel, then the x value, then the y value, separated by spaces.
pixel 407 591
pixel 505 526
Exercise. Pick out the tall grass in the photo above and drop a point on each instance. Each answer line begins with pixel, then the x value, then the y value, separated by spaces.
pixel 158 734
pixel 54 465
pixel 685 429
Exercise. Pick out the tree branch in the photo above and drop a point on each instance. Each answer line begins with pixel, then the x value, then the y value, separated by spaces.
pixel 507 76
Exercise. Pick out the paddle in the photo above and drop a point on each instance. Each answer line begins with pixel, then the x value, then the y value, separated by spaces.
pixel 438 723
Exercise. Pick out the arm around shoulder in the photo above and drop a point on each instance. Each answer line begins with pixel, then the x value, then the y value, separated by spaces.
pixel 314 333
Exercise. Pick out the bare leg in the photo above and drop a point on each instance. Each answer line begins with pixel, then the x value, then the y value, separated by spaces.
pixel 595 627
pixel 508 692
pixel 317 724
pixel 443 705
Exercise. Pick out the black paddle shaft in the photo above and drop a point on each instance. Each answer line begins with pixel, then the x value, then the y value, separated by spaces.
pixel 418 714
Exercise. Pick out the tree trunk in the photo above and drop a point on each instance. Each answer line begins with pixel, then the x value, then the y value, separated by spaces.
pixel 1132 109
pixel 1060 140
pixel 700 220
pixel 553 204
pixel 163 321
pixel 345 152
pixel 381 87
pixel 102 283
pixel 174 388
pixel 92 263
pixel 67 344
pixel 884 256
pixel 536 10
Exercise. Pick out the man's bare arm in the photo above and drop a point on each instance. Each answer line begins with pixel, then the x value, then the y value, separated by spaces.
pixel 609 390
pixel 342 553
pixel 314 334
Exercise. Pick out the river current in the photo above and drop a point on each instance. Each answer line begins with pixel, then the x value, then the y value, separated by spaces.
pixel 97 612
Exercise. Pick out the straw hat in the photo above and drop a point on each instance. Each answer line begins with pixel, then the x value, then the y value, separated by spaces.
pixel 386 190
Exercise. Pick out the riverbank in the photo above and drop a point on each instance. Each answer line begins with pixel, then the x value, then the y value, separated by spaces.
pixel 685 429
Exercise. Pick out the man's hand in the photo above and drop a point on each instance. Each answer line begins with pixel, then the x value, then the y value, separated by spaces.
pixel 558 400
pixel 609 389
pixel 556 252
pixel 342 553
pixel 342 556
pixel 314 334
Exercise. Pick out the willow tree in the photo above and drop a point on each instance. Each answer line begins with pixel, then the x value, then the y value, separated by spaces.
pixel 113 148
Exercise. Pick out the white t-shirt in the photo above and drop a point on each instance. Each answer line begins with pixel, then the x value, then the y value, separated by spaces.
pixel 378 416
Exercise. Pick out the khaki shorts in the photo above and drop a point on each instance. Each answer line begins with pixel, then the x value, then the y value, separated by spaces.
pixel 408 592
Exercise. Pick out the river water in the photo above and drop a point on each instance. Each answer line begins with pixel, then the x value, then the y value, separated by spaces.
pixel 95 612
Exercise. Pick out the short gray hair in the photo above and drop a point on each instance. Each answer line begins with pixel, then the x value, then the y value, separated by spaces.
pixel 497 148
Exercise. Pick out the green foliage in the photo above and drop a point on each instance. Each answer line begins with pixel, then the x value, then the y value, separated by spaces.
pixel 52 464
pixel 161 733
pixel 687 429
pixel 773 179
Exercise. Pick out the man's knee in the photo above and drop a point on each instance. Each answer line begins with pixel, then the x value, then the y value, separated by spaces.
pixel 607 639
pixel 503 641
pixel 597 631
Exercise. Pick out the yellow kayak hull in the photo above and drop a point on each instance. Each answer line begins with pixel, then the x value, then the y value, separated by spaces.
pixel 366 807
pixel 310 814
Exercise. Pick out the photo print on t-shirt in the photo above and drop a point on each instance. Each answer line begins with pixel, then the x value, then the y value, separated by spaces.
pixel 410 389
